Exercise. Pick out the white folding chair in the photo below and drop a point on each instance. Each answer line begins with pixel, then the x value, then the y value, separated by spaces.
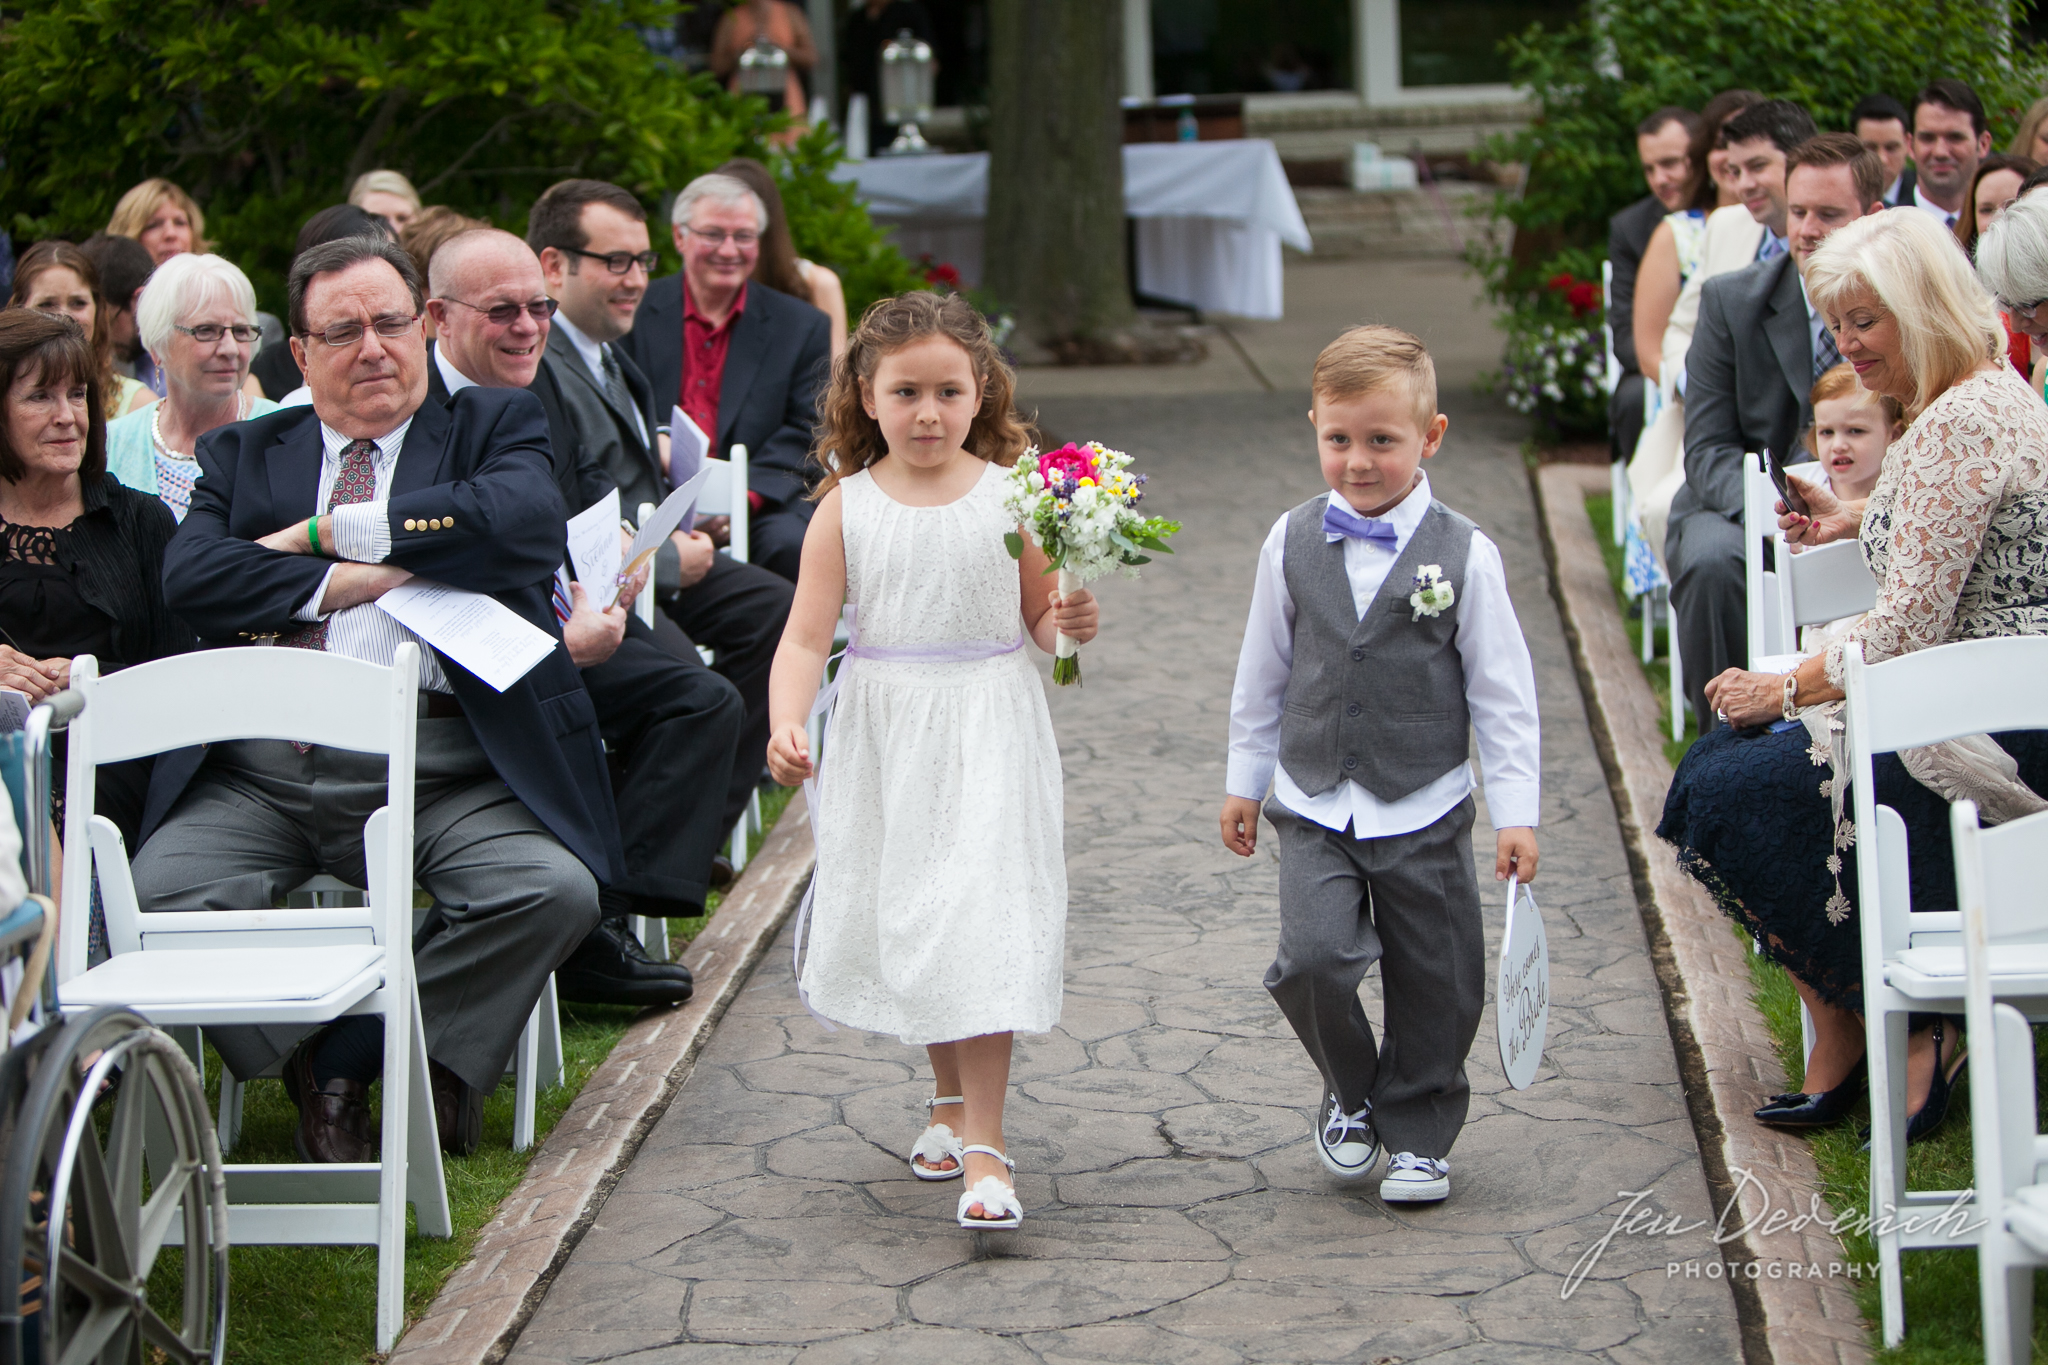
pixel 1913 960
pixel 2002 897
pixel 267 966
pixel 1768 633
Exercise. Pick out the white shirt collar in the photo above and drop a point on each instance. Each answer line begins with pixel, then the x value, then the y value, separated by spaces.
pixel 1928 206
pixel 1405 515
pixel 591 351
pixel 388 445
pixel 455 379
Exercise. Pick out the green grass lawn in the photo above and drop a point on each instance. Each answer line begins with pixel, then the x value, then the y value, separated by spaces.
pixel 1943 1325
pixel 317 1305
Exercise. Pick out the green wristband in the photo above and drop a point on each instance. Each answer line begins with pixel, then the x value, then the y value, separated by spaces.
pixel 313 533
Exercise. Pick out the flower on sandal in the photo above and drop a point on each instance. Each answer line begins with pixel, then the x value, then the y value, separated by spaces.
pixel 1432 595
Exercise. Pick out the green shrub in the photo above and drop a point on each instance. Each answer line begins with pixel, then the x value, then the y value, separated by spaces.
pixel 266 110
pixel 1594 80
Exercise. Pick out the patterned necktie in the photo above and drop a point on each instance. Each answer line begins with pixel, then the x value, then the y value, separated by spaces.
pixel 1771 248
pixel 1825 356
pixel 615 382
pixel 356 482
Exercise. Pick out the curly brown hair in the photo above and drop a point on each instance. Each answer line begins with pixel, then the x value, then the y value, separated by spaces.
pixel 847 440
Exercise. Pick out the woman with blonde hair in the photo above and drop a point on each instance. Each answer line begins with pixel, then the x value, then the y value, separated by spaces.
pixel 197 319
pixel 2030 139
pixel 162 217
pixel 1953 533
pixel 387 194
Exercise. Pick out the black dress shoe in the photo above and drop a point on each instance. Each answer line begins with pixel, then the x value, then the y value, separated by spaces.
pixel 722 875
pixel 1798 1110
pixel 1923 1122
pixel 458 1111
pixel 611 968
pixel 334 1119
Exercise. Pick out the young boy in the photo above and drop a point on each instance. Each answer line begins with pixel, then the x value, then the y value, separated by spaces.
pixel 1380 635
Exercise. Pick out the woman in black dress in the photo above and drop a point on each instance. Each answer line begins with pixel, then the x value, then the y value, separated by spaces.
pixel 1956 533
pixel 81 557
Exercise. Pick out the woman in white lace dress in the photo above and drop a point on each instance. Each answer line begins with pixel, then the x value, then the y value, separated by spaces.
pixel 1956 532
pixel 939 905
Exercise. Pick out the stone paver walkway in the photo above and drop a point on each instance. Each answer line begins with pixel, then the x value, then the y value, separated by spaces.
pixel 1175 1210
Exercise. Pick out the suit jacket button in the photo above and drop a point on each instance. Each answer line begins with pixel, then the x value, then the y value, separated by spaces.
pixel 447 523
pixel 411 525
pixel 434 525
pixel 1350 762
pixel 1353 709
pixel 1357 656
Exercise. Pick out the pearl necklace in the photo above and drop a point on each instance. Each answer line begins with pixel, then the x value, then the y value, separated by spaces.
pixel 156 425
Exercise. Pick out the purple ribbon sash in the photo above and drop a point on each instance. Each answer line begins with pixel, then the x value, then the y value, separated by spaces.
pixel 952 652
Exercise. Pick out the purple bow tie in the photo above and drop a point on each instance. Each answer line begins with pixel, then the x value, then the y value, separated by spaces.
pixel 1339 520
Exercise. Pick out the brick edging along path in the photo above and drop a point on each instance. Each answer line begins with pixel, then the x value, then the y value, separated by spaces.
pixel 479 1311
pixel 1721 1037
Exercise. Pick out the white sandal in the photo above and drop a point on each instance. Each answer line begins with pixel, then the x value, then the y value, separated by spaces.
pixel 936 1144
pixel 992 1194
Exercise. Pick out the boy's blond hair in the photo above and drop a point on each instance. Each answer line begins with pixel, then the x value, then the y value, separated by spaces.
pixel 1367 359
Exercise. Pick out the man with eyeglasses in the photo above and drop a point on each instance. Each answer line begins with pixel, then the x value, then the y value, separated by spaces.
pixel 302 520
pixel 593 245
pixel 671 724
pixel 742 360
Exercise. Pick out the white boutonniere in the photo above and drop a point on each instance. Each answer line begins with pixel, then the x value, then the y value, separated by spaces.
pixel 1431 593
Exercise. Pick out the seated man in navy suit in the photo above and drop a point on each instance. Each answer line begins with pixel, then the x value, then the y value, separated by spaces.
pixel 742 360
pixel 301 520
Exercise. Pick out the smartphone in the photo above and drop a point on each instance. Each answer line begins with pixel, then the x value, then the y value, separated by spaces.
pixel 1787 486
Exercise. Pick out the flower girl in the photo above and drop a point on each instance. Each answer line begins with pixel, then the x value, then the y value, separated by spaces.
pixel 940 899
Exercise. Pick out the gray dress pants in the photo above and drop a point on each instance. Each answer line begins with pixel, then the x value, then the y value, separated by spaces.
pixel 261 817
pixel 1710 598
pixel 1409 902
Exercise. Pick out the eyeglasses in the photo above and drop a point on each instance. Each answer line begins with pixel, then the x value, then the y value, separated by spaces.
pixel 619 262
pixel 718 237
pixel 2023 311
pixel 505 314
pixel 210 333
pixel 349 333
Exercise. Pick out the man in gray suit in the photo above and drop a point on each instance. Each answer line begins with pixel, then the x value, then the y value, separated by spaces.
pixel 1664 146
pixel 1758 350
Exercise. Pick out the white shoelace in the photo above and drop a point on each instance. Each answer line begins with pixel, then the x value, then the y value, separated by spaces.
pixel 1339 1123
pixel 1430 1166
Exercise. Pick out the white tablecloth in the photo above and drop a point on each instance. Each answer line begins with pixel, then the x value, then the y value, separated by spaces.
pixel 1212 217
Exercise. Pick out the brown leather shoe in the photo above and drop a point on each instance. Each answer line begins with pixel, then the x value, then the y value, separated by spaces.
pixel 334 1120
pixel 458 1111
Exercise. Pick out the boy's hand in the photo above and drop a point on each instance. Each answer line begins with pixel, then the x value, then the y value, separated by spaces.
pixel 789 755
pixel 1076 615
pixel 1515 851
pixel 1241 825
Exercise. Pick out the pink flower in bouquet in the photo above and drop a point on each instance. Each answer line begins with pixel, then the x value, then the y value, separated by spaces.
pixel 1068 464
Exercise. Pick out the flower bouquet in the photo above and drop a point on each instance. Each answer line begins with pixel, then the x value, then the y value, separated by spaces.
pixel 1079 505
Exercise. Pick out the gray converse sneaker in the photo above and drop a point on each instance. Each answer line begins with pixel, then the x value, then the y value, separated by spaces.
pixel 1413 1179
pixel 1346 1142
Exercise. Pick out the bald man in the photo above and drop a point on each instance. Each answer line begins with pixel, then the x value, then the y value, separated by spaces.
pixel 670 724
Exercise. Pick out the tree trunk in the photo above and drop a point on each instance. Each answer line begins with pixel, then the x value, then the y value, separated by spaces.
pixel 1055 243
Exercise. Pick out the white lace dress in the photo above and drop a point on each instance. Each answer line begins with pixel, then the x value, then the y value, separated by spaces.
pixel 941 901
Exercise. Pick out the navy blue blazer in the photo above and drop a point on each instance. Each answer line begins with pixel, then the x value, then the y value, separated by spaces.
pixel 779 355
pixel 484 461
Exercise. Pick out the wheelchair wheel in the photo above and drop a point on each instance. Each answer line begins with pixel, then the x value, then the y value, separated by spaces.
pixel 110 1158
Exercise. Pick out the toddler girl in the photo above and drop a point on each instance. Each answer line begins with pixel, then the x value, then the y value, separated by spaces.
pixel 940 899
pixel 1851 428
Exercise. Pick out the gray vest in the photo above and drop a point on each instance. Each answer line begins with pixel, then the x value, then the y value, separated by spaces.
pixel 1378 700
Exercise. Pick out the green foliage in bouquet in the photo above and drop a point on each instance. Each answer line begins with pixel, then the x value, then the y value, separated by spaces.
pixel 266 110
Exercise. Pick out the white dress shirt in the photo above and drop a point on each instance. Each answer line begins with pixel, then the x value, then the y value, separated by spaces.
pixel 593 353
pixel 1948 219
pixel 1500 690
pixel 361 533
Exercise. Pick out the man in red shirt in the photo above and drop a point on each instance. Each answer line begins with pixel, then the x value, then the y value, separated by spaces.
pixel 744 361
